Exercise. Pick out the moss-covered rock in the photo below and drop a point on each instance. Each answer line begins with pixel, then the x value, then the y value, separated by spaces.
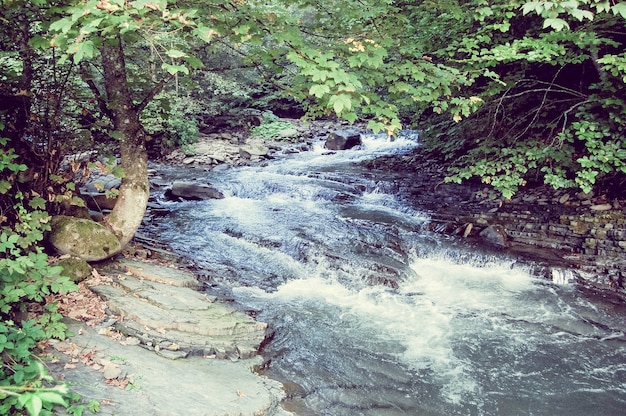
pixel 82 238
pixel 75 268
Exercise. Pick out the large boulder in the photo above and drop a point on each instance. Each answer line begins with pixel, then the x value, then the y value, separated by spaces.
pixel 343 140
pixel 82 238
pixel 496 235
pixel 252 151
pixel 99 201
pixel 193 191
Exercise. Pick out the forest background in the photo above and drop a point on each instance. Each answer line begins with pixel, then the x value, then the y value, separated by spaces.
pixel 511 93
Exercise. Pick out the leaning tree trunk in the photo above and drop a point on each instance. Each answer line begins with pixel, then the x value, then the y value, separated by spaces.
pixel 131 203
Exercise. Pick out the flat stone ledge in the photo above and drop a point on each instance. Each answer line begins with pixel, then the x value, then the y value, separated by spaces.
pixel 194 386
pixel 160 274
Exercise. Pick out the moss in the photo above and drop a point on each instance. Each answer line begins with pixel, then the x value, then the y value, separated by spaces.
pixel 75 268
pixel 83 238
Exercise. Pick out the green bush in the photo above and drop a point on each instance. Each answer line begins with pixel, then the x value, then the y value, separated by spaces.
pixel 26 277
pixel 272 128
pixel 173 119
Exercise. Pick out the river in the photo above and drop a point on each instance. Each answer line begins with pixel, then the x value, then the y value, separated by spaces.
pixel 372 314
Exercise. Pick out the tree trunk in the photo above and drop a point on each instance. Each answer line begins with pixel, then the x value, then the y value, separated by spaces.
pixel 130 208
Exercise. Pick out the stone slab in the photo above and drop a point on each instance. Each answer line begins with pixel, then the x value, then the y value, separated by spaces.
pixel 166 296
pixel 161 387
pixel 217 319
pixel 160 274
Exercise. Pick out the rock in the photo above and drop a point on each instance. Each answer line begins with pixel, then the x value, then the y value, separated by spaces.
pixel 343 140
pixel 98 201
pixel 98 183
pixel 194 386
pixel 601 207
pixel 250 150
pixel 162 309
pixel 82 238
pixel 75 268
pixel 160 274
pixel 193 191
pixel 495 234
pixel 289 133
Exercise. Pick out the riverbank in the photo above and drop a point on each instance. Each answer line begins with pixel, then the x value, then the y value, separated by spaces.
pixel 562 228
pixel 146 341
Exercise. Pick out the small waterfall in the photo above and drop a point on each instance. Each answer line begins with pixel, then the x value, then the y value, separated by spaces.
pixel 561 276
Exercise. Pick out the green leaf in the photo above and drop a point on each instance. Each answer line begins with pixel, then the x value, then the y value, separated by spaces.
pixel 175 53
pixel 319 90
pixel 175 69
pixel 4 187
pixel 204 33
pixel 582 14
pixel 37 203
pixel 619 8
pixel 63 25
pixel 34 405
pixel 241 30
pixel 530 7
pixel 556 24
pixel 52 397
pixel 83 50
pixel 39 42
pixel 194 62
pixel 340 103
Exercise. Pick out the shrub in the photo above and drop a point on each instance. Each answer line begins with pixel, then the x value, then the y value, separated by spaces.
pixel 272 127
pixel 26 278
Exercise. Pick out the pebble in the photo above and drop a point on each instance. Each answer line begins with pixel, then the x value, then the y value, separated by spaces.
pixel 601 207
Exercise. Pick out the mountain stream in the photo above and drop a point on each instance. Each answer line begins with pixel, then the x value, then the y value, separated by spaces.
pixel 372 314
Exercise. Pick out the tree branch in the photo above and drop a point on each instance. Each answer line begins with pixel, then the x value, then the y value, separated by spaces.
pixel 88 79
pixel 153 92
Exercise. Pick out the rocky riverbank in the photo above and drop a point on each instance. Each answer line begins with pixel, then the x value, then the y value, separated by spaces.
pixel 568 228
pixel 146 341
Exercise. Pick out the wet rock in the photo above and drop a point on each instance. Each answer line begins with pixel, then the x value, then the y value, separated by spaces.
pixel 343 140
pixel 159 309
pixel 193 191
pixel 157 385
pixel 495 234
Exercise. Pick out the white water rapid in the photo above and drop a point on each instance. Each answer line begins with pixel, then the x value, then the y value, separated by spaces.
pixel 371 314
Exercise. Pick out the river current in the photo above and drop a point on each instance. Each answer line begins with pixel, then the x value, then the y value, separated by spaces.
pixel 372 314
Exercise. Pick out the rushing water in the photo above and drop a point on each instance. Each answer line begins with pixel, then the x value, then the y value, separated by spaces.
pixel 371 314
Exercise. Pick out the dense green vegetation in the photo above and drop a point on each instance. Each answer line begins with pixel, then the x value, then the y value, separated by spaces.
pixel 510 92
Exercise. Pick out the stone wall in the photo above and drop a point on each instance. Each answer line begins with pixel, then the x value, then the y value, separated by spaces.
pixel 593 243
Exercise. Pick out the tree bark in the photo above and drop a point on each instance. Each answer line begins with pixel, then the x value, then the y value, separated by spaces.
pixel 132 200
